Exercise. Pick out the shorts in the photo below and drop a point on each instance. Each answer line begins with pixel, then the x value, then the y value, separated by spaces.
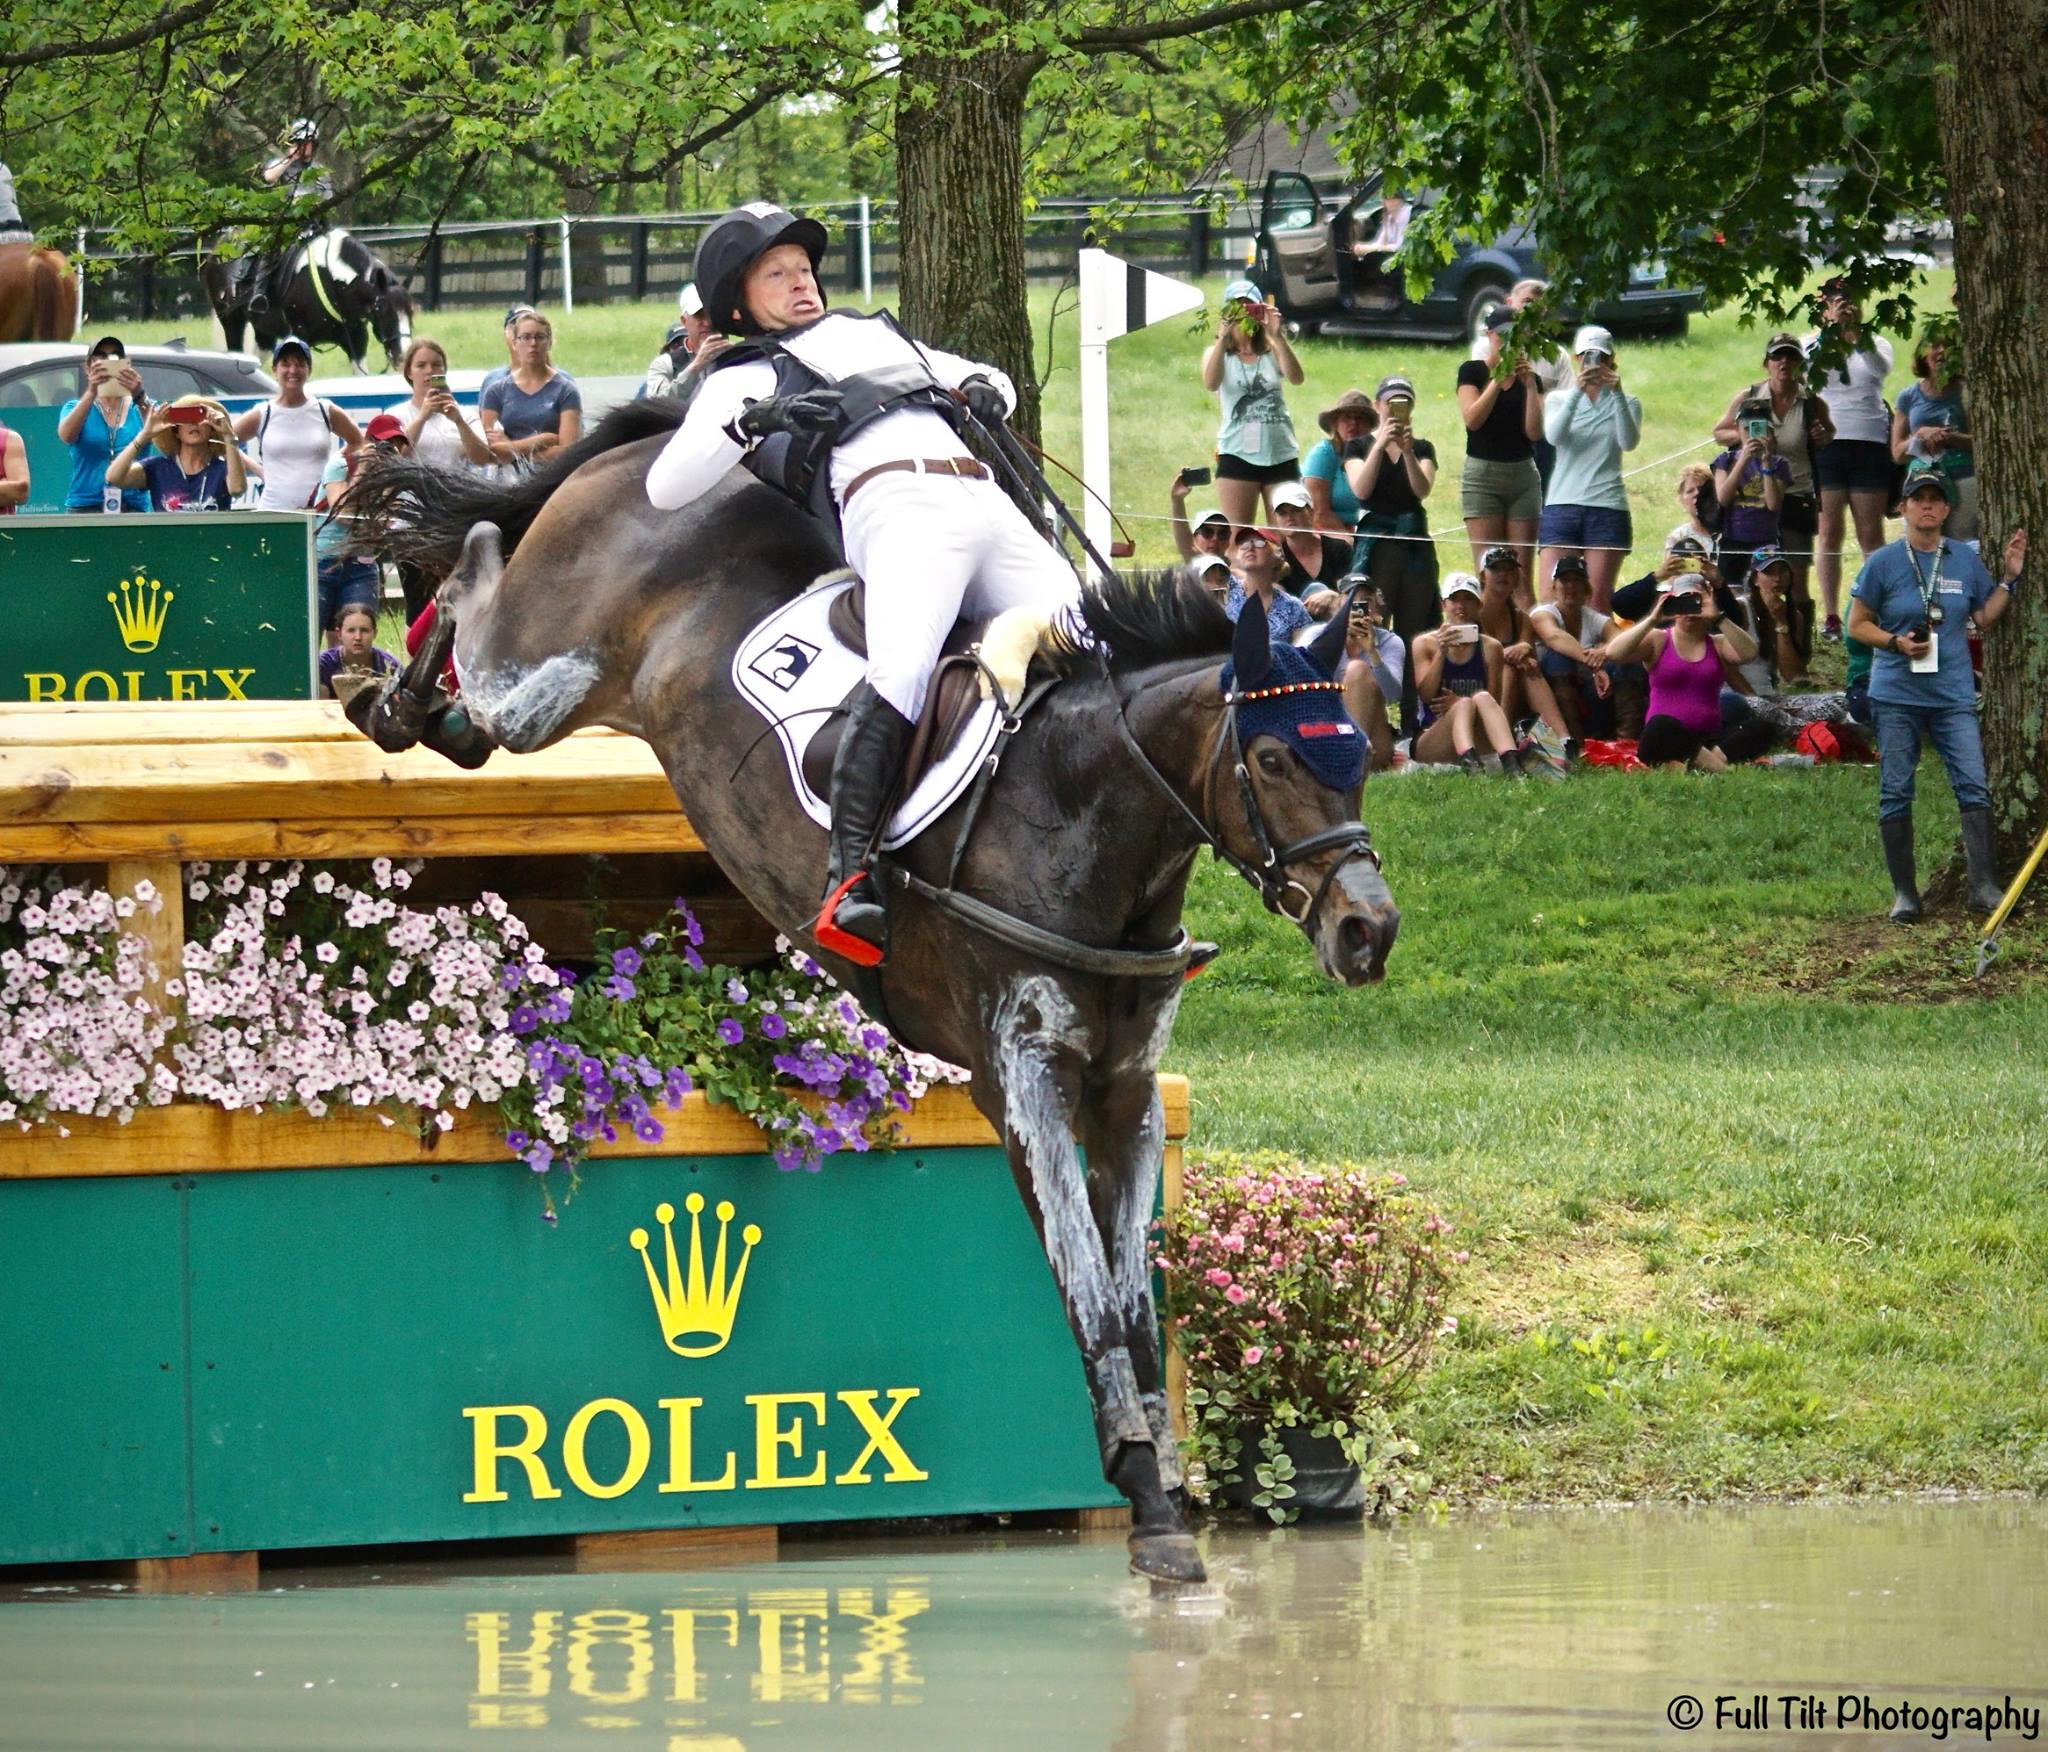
pixel 348 582
pixel 1586 527
pixel 1509 490
pixel 1235 468
pixel 1854 465
pixel 1798 515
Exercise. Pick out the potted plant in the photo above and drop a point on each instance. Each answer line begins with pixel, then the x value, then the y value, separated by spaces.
pixel 1304 1301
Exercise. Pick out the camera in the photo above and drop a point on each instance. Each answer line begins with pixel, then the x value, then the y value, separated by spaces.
pixel 1194 477
pixel 1922 631
pixel 190 414
pixel 1690 603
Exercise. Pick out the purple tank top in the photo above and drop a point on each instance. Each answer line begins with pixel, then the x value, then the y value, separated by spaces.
pixel 1689 692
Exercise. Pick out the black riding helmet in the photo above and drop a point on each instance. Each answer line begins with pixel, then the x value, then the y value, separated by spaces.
pixel 735 242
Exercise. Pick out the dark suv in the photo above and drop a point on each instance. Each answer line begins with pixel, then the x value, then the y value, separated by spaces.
pixel 1304 263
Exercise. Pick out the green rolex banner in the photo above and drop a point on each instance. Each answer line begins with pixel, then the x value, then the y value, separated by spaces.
pixel 217 606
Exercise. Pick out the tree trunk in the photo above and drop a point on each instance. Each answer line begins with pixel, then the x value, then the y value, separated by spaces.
pixel 1993 108
pixel 960 176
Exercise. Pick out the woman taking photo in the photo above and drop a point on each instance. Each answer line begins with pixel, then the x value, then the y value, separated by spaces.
pixel 99 423
pixel 197 465
pixel 1593 424
pixel 1335 506
pixel 1247 368
pixel 439 432
pixel 1501 494
pixel 1457 677
pixel 1929 425
pixel 1855 470
pixel 1688 649
pixel 533 409
pixel 294 432
pixel 1391 472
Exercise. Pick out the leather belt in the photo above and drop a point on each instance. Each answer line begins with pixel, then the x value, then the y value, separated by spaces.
pixel 960 467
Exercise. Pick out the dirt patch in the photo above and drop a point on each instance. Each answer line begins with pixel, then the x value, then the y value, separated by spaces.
pixel 1871 960
pixel 1569 1282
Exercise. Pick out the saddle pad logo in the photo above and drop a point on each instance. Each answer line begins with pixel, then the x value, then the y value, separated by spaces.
pixel 783 664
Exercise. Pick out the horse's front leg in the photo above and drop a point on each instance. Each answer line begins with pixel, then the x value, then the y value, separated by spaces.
pixel 1039 1052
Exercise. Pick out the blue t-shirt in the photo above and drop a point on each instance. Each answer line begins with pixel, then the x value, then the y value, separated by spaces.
pixel 92 450
pixel 521 415
pixel 1284 615
pixel 1324 464
pixel 1894 585
pixel 172 489
pixel 1945 409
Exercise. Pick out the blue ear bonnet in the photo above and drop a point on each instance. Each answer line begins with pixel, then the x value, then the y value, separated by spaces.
pixel 1297 702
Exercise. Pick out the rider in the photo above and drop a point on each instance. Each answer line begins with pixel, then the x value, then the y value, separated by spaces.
pixel 862 425
pixel 12 230
pixel 309 181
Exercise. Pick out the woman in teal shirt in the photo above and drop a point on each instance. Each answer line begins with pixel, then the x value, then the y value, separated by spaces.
pixel 1247 368
pixel 1336 506
pixel 99 424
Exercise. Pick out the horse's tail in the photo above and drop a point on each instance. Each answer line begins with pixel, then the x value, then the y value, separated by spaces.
pixel 415 511
pixel 53 295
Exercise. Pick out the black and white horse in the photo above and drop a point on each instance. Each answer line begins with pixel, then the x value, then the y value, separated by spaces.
pixel 330 290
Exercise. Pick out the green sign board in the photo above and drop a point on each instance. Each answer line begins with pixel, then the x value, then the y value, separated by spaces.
pixel 141 606
pixel 358 1356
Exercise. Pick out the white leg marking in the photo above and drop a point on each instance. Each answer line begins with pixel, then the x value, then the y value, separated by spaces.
pixel 522 709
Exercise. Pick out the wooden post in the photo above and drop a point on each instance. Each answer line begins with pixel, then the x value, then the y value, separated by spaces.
pixel 675 1548
pixel 204 1572
pixel 163 931
pixel 640 230
pixel 1176 1370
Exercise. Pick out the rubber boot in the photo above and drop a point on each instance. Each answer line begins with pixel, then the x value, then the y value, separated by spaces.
pixel 1980 859
pixel 853 920
pixel 1897 835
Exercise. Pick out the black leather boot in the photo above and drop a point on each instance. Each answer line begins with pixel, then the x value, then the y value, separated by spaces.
pixel 854 920
pixel 1897 835
pixel 1980 860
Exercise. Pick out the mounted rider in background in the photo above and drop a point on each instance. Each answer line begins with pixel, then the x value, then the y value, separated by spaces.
pixel 862 426
pixel 12 230
pixel 250 277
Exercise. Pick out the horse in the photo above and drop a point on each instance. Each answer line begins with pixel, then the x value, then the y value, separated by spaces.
pixel 330 291
pixel 38 294
pixel 1042 949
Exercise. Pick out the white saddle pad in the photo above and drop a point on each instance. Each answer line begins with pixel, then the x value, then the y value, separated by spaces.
pixel 793 672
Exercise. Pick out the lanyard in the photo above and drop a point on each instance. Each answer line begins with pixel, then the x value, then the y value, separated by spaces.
pixel 1929 585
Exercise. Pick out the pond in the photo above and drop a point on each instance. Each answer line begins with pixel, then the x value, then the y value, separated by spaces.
pixel 1529 1629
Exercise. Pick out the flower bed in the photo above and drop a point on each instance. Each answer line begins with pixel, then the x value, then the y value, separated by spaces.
pixel 314 987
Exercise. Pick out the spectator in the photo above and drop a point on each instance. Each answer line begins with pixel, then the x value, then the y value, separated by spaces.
pixel 198 465
pixel 1500 494
pixel 1212 572
pixel 1255 568
pixel 13 472
pixel 1686 646
pixel 1929 425
pixel 1772 611
pixel 294 433
pixel 98 423
pixel 1593 423
pixel 439 432
pixel 1457 678
pixel 1526 690
pixel 1246 367
pixel 1910 606
pixel 1552 373
pixel 1375 276
pixel 355 650
pixel 1572 636
pixel 1336 507
pixel 1695 490
pixel 1371 668
pixel 1208 534
pixel 1750 482
pixel 533 409
pixel 687 349
pixel 1638 601
pixel 1854 470
pixel 1391 472
pixel 498 372
pixel 1311 561
pixel 348 579
pixel 1800 429
pixel 12 230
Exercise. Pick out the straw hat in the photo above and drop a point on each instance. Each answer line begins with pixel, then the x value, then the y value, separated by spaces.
pixel 166 441
pixel 1352 401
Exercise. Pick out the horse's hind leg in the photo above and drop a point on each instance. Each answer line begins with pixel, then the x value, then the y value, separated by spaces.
pixel 1038 1051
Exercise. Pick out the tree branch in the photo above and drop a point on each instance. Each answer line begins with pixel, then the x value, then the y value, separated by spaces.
pixel 94 48
pixel 1132 36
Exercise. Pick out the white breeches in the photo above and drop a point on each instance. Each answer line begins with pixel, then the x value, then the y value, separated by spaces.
pixel 931 549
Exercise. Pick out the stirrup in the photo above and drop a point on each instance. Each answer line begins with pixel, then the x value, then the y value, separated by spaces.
pixel 843 943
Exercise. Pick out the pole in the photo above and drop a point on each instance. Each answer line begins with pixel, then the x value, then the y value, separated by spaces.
pixel 1095 440
pixel 867 253
pixel 78 283
pixel 568 278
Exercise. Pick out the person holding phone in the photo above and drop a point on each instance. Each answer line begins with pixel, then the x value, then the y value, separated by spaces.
pixel 1501 492
pixel 1371 668
pixel 98 424
pixel 1209 532
pixel 1800 430
pixel 1391 472
pixel 1689 649
pixel 1247 368
pixel 1593 423
pixel 1912 605
pixel 439 432
pixel 1457 680
pixel 197 466
pixel 1930 424
pixel 1750 483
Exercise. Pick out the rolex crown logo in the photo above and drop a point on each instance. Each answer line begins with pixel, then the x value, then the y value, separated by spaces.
pixel 139 611
pixel 696 1311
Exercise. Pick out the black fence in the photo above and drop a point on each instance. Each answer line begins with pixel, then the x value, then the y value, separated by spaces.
pixel 613 260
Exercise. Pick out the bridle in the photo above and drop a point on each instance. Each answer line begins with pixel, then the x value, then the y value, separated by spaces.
pixel 1270 874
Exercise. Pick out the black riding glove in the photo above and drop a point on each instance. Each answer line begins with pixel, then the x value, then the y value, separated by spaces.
pixel 984 401
pixel 815 410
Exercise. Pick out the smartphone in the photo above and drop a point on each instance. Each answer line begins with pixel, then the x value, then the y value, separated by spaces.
pixel 1689 604
pixel 1461 633
pixel 189 415
pixel 1194 477
pixel 1756 428
pixel 439 381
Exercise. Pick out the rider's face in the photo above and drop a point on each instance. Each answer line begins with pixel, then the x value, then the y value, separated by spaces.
pixel 781 290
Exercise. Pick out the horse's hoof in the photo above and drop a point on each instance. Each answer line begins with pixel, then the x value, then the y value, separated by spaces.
pixel 1167 1557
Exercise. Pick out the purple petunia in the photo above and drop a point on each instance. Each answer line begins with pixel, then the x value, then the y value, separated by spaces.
pixel 523 1020
pixel 626 961
pixel 648 1130
pixel 619 988
pixel 773 1027
pixel 731 1032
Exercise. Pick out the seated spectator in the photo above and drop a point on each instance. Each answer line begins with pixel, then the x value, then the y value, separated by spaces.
pixel 439 432
pixel 1930 425
pixel 1500 493
pixel 1351 416
pixel 294 432
pixel 1767 594
pixel 1687 648
pixel 1457 680
pixel 1696 493
pixel 1212 572
pixel 496 372
pixel 1312 561
pixel 1750 483
pixel 98 423
pixel 1593 423
pixel 1255 565
pixel 1208 534
pixel 533 410
pixel 348 579
pixel 1371 668
pixel 197 465
pixel 13 472
pixel 1502 617
pixel 355 650
pixel 1595 696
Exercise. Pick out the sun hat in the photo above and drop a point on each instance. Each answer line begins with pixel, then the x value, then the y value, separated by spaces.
pixel 1496 557
pixel 1592 339
pixel 1352 401
pixel 290 344
pixel 1566 564
pixel 1922 473
pixel 1291 493
pixel 166 441
pixel 1461 584
pixel 1209 514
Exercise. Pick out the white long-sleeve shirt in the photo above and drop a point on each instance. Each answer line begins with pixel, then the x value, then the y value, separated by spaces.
pixel 701 453
pixel 10 211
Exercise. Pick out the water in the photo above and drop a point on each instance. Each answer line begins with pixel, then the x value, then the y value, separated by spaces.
pixel 1566 1629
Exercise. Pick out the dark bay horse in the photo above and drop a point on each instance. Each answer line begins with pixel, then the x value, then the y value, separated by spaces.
pixel 610 612
pixel 330 291
pixel 38 294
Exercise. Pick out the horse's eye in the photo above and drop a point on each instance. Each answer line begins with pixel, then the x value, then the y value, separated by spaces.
pixel 1271 763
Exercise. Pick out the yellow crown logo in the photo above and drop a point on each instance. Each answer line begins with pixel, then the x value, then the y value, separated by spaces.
pixel 696 1315
pixel 139 611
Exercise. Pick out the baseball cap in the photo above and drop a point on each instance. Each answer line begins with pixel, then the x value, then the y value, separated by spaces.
pixel 1291 493
pixel 1783 342
pixel 290 344
pixel 1203 564
pixel 1248 290
pixel 1460 584
pixel 1355 581
pixel 1686 547
pixel 1568 563
pixel 1767 556
pixel 1394 386
pixel 1208 514
pixel 1592 339
pixel 516 311
pixel 689 301
pixel 1922 473
pixel 383 428
pixel 1501 318
pixel 1495 557
pixel 107 344
pixel 1245 531
pixel 1683 584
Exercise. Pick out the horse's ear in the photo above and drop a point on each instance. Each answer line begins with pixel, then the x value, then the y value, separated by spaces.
pixel 1251 647
pixel 1327 647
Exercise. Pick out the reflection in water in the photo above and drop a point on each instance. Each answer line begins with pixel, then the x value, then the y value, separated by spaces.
pixel 1540 1630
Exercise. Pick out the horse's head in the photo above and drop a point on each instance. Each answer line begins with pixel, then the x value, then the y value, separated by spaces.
pixel 1289 773
pixel 390 302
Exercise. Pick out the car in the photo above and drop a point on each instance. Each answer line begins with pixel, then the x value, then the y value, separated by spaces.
pixel 1303 262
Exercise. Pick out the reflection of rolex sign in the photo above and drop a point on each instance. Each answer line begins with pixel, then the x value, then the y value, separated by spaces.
pixel 800 1439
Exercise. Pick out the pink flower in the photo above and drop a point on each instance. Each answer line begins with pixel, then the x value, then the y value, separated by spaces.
pixel 1253 1354
pixel 1218 1276
pixel 1235 1295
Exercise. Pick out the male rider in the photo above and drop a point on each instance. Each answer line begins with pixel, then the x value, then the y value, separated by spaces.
pixel 858 422
pixel 297 166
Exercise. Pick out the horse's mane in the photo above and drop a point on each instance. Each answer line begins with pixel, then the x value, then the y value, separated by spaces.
pixel 1160 615
pixel 413 511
